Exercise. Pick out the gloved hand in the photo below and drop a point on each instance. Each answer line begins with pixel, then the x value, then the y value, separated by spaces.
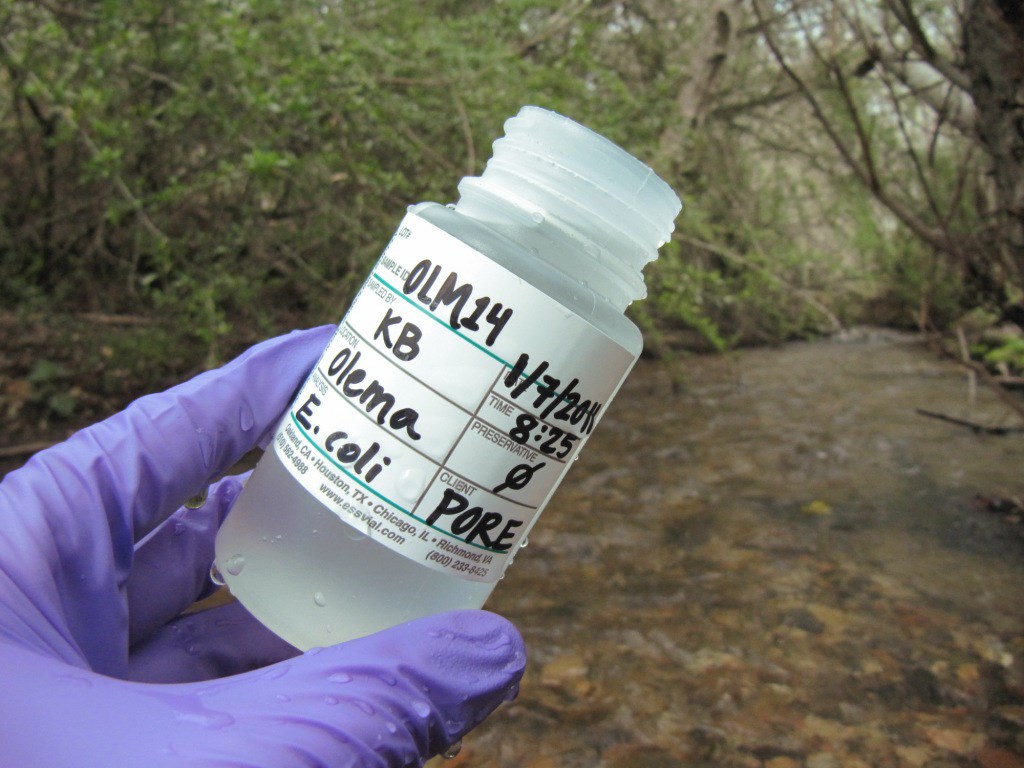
pixel 97 561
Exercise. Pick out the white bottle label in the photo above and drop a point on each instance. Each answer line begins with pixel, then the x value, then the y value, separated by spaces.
pixel 448 405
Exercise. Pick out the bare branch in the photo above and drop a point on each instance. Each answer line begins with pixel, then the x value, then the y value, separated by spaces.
pixel 64 11
pixel 935 238
pixel 904 13
pixel 914 155
pixel 867 152
pixel 556 23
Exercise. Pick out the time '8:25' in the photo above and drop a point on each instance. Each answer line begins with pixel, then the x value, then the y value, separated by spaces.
pixel 553 441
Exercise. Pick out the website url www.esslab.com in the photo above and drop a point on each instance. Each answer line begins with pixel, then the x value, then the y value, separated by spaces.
pixel 373 523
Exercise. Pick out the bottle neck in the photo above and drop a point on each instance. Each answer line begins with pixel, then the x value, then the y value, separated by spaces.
pixel 588 252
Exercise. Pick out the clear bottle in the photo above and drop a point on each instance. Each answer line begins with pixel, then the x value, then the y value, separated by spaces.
pixel 461 384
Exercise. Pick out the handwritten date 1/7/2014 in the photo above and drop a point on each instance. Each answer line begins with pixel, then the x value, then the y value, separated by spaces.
pixel 555 400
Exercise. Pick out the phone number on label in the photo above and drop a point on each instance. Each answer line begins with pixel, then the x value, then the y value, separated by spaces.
pixel 456 565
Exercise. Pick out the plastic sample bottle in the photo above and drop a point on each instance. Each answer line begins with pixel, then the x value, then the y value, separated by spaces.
pixel 461 384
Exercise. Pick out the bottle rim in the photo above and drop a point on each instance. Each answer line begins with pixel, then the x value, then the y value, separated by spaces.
pixel 585 186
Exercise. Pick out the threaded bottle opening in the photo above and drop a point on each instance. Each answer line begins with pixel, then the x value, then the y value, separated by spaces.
pixel 574 180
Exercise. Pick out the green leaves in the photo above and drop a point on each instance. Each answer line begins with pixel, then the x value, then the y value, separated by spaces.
pixel 240 164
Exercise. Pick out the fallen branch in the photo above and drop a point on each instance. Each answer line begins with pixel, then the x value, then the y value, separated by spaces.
pixel 993 382
pixel 971 425
pixel 102 318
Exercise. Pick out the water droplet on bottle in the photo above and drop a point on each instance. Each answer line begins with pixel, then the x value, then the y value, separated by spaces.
pixel 453 750
pixel 524 542
pixel 354 533
pixel 421 708
pixel 538 217
pixel 340 677
pixel 279 537
pixel 235 564
pixel 245 418
pixel 215 576
pixel 320 599
pixel 197 500
pixel 411 483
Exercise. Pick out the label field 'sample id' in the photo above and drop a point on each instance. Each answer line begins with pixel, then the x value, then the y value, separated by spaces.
pixel 448 405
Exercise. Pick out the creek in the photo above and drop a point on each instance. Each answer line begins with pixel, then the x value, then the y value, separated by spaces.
pixel 785 564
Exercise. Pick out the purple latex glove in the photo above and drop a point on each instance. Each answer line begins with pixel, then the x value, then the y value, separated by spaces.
pixel 97 561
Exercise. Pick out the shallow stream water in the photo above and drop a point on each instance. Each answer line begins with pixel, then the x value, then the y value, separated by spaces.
pixel 782 565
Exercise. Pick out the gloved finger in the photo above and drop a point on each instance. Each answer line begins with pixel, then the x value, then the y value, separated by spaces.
pixel 171 568
pixel 217 642
pixel 394 698
pixel 78 508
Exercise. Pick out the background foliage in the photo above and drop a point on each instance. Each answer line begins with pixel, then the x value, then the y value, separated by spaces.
pixel 235 166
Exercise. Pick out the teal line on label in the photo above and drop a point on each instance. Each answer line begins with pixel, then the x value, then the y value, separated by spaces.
pixel 441 322
pixel 384 498
pixel 438 320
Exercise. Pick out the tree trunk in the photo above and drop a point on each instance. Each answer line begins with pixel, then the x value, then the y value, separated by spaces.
pixel 994 60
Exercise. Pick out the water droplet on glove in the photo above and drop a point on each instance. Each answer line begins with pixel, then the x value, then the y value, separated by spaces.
pixel 197 500
pixel 206 447
pixel 365 706
pixel 452 751
pixel 207 719
pixel 215 576
pixel 245 418
pixel 274 672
